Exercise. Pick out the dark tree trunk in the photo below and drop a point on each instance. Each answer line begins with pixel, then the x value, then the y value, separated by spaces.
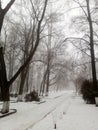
pixel 92 47
pixel 27 82
pixel 3 78
pixel 48 72
pixel 42 87
pixel 1 19
pixel 22 82
pixel 48 82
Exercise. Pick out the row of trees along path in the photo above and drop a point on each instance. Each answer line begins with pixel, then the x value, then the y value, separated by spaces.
pixel 4 83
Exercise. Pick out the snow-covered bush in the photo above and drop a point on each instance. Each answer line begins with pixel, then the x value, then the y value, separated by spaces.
pixel 88 92
pixel 33 96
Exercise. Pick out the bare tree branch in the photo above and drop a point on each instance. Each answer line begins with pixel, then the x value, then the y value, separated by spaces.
pixel 34 49
pixel 4 11
pixel 8 6
pixel 81 7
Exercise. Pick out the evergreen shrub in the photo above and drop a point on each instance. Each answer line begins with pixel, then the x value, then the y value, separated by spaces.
pixel 32 96
pixel 88 91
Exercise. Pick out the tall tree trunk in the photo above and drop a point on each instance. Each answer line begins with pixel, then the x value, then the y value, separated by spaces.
pixel 92 47
pixel 42 87
pixel 3 83
pixel 11 64
pixel 3 76
pixel 22 83
pixel 27 82
pixel 48 81
pixel 1 20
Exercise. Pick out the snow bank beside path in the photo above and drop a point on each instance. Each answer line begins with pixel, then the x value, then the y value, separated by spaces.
pixel 79 116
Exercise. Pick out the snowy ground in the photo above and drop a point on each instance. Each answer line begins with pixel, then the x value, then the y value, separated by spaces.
pixel 79 116
pixel 29 113
pixel 62 108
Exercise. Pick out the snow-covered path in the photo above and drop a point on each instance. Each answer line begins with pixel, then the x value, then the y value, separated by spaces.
pixel 79 116
pixel 29 113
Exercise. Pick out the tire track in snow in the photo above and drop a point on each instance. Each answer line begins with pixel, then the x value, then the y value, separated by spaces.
pixel 53 109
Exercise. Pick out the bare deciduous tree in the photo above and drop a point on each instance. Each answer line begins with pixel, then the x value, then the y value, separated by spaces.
pixel 4 83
